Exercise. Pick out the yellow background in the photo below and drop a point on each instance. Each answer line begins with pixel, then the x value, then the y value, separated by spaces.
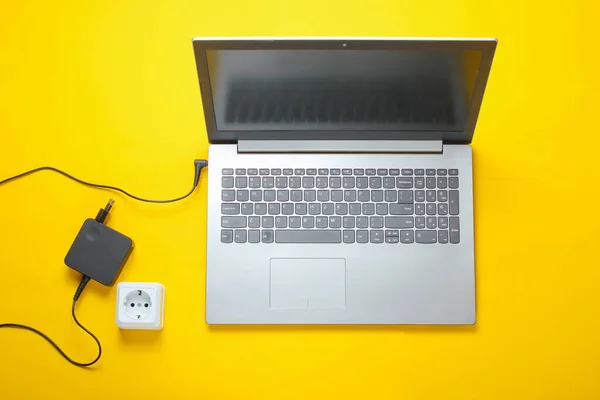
pixel 107 90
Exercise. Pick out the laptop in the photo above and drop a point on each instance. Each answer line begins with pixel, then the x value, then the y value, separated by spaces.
pixel 340 186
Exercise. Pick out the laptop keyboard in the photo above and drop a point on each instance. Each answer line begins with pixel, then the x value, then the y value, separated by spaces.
pixel 330 205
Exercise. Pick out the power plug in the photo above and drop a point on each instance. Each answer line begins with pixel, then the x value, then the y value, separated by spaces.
pixel 140 305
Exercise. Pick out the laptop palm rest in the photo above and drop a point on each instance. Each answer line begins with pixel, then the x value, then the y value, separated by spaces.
pixel 308 283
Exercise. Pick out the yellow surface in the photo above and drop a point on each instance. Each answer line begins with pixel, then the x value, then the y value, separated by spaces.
pixel 108 91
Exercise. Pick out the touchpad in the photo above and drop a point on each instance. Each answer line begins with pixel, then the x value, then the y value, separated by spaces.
pixel 308 283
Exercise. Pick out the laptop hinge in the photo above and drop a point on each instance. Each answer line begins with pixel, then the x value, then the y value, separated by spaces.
pixel 340 146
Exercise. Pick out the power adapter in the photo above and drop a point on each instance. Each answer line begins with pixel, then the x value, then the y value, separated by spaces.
pixel 99 252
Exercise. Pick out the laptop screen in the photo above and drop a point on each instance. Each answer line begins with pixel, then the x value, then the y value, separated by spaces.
pixel 336 89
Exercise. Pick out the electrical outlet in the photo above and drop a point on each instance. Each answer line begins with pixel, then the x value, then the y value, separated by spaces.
pixel 140 305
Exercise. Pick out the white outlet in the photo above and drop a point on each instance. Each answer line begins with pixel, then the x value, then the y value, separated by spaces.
pixel 140 305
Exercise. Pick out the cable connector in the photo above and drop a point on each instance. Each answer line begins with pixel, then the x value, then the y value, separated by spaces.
pixel 103 213
pixel 199 165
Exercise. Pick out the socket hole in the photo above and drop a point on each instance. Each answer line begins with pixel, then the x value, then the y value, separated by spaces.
pixel 132 305
pixel 146 305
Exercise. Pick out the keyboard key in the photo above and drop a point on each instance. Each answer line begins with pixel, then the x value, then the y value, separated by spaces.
pixel 442 209
pixel 407 171
pixel 419 195
pixel 430 195
pixel 263 171
pixel 420 209
pixel 241 236
pixel 362 222
pixel 269 195
pixel 354 209
pixel 308 182
pixel 348 236
pixel 240 171
pixel 281 182
pixel 376 236
pixel 267 235
pixel 295 182
pixel 348 222
pixel 322 182
pixel 254 182
pixel 453 182
pixel 377 195
pixel 268 182
pixel 247 209
pixel 392 239
pixel 419 182
pixel 362 236
pixel 389 182
pixel 364 195
pixel 407 236
pixel 295 222
pixel 335 182
pixel 368 208
pixel 442 182
pixel 241 182
pixel 442 171
pixel 252 171
pixel 254 222
pixel 275 171
pixel 401 209
pixel 228 195
pixel 233 222
pixel 394 172
pixel 260 209
pixel 311 171
pixel 299 171
pixel 419 172
pixel 328 208
pixel 405 196
pixel 274 209
pixel 391 196
pixel 346 171
pixel 308 236
pixel 334 171
pixel 431 223
pixel 287 208
pixel 243 195
pixel 430 183
pixel 350 196
pixel 443 237
pixel 392 233
pixel 296 195
pixel 359 171
pixel 323 171
pixel 382 171
pixel 454 207
pixel 227 171
pixel 308 222
pixel 322 195
pixel 254 236
pixel 443 222
pixel 322 222
pixel 341 209
pixel 399 222
pixel 335 222
pixel 376 222
pixel 370 171
pixel 381 209
pixel 430 171
pixel 310 195
pixel 404 183
pixel 442 196
pixel 430 209
pixel 337 195
pixel 314 208
pixel 375 182
pixel 420 222
pixel 283 196
pixel 426 237
pixel 362 182
pixel 454 230
pixel 267 222
pixel 348 182
pixel 300 208
pixel 227 182
pixel 227 234
pixel 452 172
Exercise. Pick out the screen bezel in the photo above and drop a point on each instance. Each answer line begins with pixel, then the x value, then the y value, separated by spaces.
pixel 487 48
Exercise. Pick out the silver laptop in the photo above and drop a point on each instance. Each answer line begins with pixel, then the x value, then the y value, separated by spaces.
pixel 340 179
